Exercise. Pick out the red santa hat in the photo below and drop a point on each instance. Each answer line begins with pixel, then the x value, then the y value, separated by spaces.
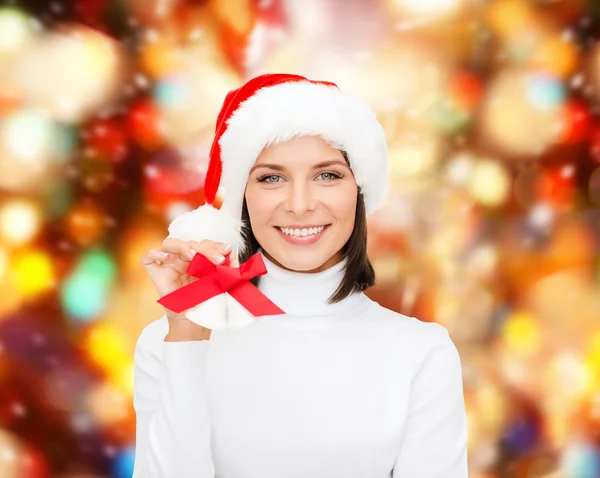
pixel 271 109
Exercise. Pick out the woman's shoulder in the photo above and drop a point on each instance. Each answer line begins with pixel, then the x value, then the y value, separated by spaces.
pixel 408 327
pixel 421 343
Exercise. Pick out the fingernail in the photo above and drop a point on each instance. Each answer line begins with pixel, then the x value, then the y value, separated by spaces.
pixel 218 258
pixel 163 254
pixel 224 248
pixel 191 254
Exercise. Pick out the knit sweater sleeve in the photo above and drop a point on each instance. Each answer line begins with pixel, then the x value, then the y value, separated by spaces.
pixel 434 443
pixel 172 421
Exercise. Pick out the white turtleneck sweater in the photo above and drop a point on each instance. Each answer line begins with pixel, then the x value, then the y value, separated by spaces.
pixel 345 390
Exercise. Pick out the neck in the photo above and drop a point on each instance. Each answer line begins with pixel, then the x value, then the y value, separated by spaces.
pixel 304 296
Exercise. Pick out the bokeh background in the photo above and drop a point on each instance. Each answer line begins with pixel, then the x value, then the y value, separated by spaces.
pixel 491 226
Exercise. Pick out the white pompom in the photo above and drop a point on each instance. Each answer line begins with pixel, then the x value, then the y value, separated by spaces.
pixel 207 222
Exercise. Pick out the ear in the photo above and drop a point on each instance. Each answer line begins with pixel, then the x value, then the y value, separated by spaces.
pixel 207 222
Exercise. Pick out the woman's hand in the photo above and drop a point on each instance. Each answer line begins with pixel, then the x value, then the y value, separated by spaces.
pixel 167 269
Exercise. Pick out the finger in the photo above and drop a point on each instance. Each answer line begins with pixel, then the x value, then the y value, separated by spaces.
pixel 176 262
pixel 179 265
pixel 188 249
pixel 211 250
pixel 164 259
pixel 221 247
pixel 172 261
pixel 154 256
pixel 177 246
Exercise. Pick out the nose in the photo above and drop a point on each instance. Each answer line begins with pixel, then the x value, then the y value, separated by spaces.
pixel 300 199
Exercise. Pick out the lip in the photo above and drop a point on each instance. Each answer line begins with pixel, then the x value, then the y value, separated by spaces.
pixel 303 226
pixel 303 240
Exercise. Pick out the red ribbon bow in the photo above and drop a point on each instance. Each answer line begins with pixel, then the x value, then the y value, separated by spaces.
pixel 214 279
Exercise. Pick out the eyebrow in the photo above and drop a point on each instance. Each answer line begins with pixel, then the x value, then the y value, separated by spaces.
pixel 278 167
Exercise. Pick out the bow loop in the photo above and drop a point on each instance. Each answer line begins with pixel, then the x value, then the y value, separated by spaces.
pixel 253 267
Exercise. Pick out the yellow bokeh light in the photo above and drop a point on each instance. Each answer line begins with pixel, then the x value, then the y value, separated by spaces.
pixel 160 57
pixel 121 377
pixel 34 272
pixel 107 347
pixel 429 8
pixel 592 364
pixel 473 436
pixel 508 17
pixel 4 263
pixel 558 429
pixel 570 376
pixel 19 221
pixel 521 333
pixel 12 297
pixel 489 183
pixel 594 347
pixel 557 55
pixel 590 377
pixel 592 360
pixel 237 13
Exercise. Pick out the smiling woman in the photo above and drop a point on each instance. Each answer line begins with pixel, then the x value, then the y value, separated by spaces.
pixel 336 385
pixel 303 193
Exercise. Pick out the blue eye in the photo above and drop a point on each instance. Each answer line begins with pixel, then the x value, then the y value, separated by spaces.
pixel 263 179
pixel 332 175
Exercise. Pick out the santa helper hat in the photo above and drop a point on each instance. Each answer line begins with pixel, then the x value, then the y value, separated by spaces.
pixel 271 109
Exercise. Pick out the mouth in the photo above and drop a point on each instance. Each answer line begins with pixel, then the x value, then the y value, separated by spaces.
pixel 302 231
pixel 302 235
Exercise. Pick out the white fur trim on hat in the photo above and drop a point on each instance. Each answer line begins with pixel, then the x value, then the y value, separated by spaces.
pixel 278 113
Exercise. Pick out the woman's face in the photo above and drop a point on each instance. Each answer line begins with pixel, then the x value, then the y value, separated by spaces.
pixel 301 198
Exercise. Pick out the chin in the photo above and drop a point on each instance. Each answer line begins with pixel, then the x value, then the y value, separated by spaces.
pixel 302 266
pixel 302 258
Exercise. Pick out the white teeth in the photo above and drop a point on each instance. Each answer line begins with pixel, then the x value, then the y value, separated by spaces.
pixel 302 232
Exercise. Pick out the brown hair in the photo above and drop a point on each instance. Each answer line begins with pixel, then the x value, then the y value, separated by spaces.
pixel 358 273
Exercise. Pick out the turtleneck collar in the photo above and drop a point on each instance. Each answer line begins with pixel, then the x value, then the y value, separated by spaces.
pixel 304 295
